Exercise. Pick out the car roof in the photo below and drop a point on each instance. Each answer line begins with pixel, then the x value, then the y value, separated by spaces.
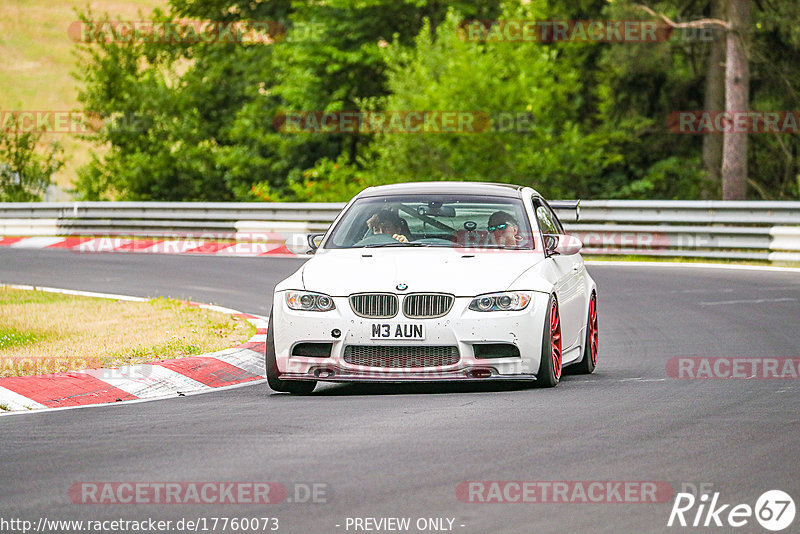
pixel 469 188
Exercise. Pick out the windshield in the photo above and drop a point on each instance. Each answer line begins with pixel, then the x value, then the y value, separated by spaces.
pixel 434 220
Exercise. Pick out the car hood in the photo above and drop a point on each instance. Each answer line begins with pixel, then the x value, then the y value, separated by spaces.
pixel 343 272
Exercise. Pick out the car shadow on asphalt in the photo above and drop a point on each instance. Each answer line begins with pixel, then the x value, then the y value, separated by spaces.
pixel 427 388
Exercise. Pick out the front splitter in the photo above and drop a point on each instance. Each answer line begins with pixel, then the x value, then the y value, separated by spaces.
pixel 387 378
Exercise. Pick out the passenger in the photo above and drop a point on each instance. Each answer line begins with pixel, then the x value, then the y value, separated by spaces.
pixel 387 222
pixel 504 229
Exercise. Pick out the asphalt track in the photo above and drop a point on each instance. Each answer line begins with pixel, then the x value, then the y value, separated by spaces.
pixel 401 451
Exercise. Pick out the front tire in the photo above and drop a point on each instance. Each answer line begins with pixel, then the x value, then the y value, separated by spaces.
pixel 549 374
pixel 297 387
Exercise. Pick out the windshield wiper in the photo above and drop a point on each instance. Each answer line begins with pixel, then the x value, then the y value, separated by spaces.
pixel 399 244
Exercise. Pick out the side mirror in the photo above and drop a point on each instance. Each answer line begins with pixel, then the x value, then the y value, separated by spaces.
pixel 313 241
pixel 563 244
pixel 303 243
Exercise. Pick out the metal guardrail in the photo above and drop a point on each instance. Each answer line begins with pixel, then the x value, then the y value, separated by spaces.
pixel 704 229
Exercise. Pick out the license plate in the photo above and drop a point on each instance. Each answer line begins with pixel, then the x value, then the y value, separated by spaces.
pixel 398 331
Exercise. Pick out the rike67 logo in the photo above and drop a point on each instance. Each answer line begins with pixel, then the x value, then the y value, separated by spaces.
pixel 774 510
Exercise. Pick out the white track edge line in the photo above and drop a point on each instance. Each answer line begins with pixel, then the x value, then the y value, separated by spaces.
pixel 695 265
pixel 134 401
pixel 75 292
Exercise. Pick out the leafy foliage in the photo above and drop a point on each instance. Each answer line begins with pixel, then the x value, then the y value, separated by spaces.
pixel 198 121
pixel 25 172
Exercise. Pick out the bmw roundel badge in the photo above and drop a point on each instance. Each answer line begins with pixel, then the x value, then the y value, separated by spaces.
pixel 402 287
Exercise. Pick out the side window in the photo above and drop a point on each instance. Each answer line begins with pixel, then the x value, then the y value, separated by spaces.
pixel 546 223
pixel 556 221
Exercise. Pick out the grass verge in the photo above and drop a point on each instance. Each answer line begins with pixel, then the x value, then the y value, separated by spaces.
pixel 43 333
pixel 36 61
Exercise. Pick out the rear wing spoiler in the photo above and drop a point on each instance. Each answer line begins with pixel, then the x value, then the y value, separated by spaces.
pixel 567 205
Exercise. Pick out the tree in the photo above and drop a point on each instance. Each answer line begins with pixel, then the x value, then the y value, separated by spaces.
pixel 25 172
pixel 767 50
pixel 333 60
pixel 714 98
pixel 774 162
pixel 195 121
pixel 633 87
pixel 737 99
pixel 526 86
pixel 528 90
pixel 167 109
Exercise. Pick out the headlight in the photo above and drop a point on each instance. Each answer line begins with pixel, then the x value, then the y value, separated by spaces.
pixel 306 301
pixel 507 301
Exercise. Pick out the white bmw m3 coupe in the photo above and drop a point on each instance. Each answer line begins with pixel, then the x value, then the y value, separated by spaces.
pixel 436 281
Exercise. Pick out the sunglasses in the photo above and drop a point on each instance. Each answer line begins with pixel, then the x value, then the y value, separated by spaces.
pixel 499 227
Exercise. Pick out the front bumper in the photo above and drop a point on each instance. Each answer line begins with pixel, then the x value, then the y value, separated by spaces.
pixel 461 328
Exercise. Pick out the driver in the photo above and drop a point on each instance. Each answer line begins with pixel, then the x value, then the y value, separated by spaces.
pixel 504 229
pixel 387 222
